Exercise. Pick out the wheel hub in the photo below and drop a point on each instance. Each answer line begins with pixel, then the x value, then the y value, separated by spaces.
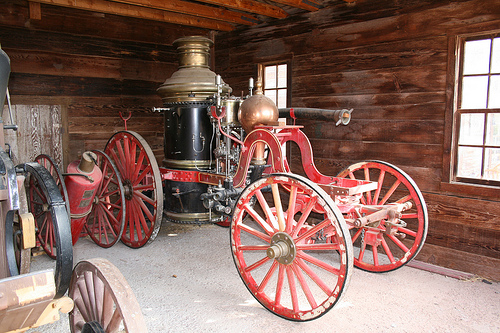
pixel 128 189
pixel 282 248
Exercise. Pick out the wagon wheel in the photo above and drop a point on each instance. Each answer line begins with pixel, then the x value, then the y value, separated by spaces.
pixel 389 250
pixel 48 163
pixel 45 235
pixel 277 238
pixel 104 301
pixel 107 218
pixel 141 178
pixel 18 257
pixel 52 220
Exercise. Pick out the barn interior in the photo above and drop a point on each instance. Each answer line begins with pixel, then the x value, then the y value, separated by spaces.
pixel 76 66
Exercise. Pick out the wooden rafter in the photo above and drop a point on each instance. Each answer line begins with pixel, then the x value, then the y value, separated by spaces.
pixel 190 8
pixel 310 5
pixel 251 7
pixel 103 6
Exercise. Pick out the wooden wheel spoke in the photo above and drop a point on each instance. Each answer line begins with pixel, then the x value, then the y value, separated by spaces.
pixel 293 288
pixel 327 290
pixel 375 255
pixel 254 232
pixel 267 210
pixel 304 286
pixel 388 251
pixel 408 232
pixel 279 285
pixel 268 276
pixel 380 182
pixel 318 247
pixel 318 262
pixel 262 247
pixel 142 207
pixel 305 215
pixel 257 218
pixel 399 243
pixel 313 230
pixel 291 209
pixel 141 176
pixel 390 192
pixel 114 323
pixel 142 197
pixel 404 199
pixel 257 264
pixel 139 164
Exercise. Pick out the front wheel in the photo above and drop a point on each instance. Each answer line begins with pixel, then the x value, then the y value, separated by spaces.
pixel 291 246
pixel 381 247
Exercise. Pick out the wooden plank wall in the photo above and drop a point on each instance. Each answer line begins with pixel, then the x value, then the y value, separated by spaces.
pixel 387 60
pixel 92 66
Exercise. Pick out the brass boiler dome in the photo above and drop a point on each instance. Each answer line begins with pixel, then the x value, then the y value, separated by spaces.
pixel 257 110
pixel 193 81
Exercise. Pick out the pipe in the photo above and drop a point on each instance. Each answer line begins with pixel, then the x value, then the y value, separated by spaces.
pixel 338 116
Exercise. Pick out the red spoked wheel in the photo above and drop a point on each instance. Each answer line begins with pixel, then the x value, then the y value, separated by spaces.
pixel 106 220
pixel 104 301
pixel 380 246
pixel 291 246
pixel 142 184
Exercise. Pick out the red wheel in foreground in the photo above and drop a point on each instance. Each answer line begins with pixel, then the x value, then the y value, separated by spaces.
pixel 106 220
pixel 377 247
pixel 104 301
pixel 141 179
pixel 291 246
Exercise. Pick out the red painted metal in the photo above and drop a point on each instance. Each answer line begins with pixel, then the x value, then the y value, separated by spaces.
pixel 81 193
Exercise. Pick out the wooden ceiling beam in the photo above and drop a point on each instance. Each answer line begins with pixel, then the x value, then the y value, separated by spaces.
pixel 190 8
pixel 250 6
pixel 116 8
pixel 310 5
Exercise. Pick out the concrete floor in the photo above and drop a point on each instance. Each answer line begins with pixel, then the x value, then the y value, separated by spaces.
pixel 186 281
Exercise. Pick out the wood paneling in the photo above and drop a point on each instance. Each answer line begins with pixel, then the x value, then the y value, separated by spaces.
pixel 93 66
pixel 387 60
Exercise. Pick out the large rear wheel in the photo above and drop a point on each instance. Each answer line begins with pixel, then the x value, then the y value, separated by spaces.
pixel 142 184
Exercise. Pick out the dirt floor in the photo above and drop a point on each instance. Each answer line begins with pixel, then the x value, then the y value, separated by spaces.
pixel 186 281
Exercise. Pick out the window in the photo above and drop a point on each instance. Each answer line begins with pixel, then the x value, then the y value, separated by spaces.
pixel 275 83
pixel 477 111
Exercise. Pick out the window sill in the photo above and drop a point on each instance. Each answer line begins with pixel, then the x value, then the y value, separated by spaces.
pixel 471 190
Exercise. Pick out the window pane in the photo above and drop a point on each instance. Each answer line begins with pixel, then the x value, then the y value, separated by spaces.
pixel 477 57
pixel 494 97
pixel 493 129
pixel 471 129
pixel 270 77
pixel 271 94
pixel 282 98
pixel 492 164
pixel 282 76
pixel 474 92
pixel 469 162
pixel 495 60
